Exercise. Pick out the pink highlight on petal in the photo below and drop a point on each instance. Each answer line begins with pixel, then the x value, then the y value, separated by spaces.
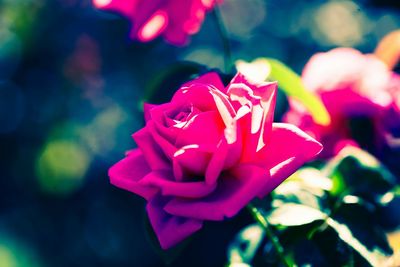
pixel 224 107
pixel 256 111
pixel 153 27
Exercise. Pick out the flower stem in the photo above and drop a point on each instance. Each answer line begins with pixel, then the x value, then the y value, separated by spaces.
pixel 263 222
pixel 223 33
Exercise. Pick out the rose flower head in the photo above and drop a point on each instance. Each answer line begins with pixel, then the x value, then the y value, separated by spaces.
pixel 175 20
pixel 358 92
pixel 208 152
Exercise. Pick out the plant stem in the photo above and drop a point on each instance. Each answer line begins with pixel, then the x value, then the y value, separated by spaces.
pixel 263 222
pixel 223 33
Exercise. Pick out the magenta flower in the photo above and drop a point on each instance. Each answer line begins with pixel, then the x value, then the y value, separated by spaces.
pixel 208 152
pixel 352 86
pixel 174 19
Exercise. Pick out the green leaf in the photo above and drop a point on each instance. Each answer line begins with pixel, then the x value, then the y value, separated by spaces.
pixel 295 215
pixel 245 245
pixel 291 214
pixel 357 172
pixel 292 85
pixel 374 257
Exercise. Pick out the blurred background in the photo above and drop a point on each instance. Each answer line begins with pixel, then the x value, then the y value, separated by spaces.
pixel 71 87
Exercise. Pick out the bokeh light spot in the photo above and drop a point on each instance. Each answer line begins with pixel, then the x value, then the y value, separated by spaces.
pixel 206 56
pixel 243 17
pixel 340 23
pixel 154 26
pixel 101 3
pixel 7 258
pixel 61 167
pixel 13 253
pixel 100 135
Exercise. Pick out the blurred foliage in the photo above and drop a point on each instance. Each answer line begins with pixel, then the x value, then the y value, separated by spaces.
pixel 337 225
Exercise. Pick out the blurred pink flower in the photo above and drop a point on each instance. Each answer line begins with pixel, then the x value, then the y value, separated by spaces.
pixel 353 86
pixel 174 19
pixel 208 152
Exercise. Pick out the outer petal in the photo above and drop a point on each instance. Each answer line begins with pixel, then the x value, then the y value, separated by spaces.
pixel 147 107
pixel 288 149
pixel 127 173
pixel 167 148
pixel 235 189
pixel 169 187
pixel 155 157
pixel 170 229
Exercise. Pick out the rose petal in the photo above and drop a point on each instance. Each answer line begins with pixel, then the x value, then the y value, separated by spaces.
pixel 288 149
pixel 127 173
pixel 225 156
pixel 191 160
pixel 225 109
pixel 217 163
pixel 235 190
pixel 167 148
pixel 147 107
pixel 169 187
pixel 255 115
pixel 205 128
pixel 169 229
pixel 155 158
pixel 196 94
pixel 346 102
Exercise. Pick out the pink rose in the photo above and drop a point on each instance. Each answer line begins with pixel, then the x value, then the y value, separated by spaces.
pixel 351 85
pixel 174 19
pixel 208 152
